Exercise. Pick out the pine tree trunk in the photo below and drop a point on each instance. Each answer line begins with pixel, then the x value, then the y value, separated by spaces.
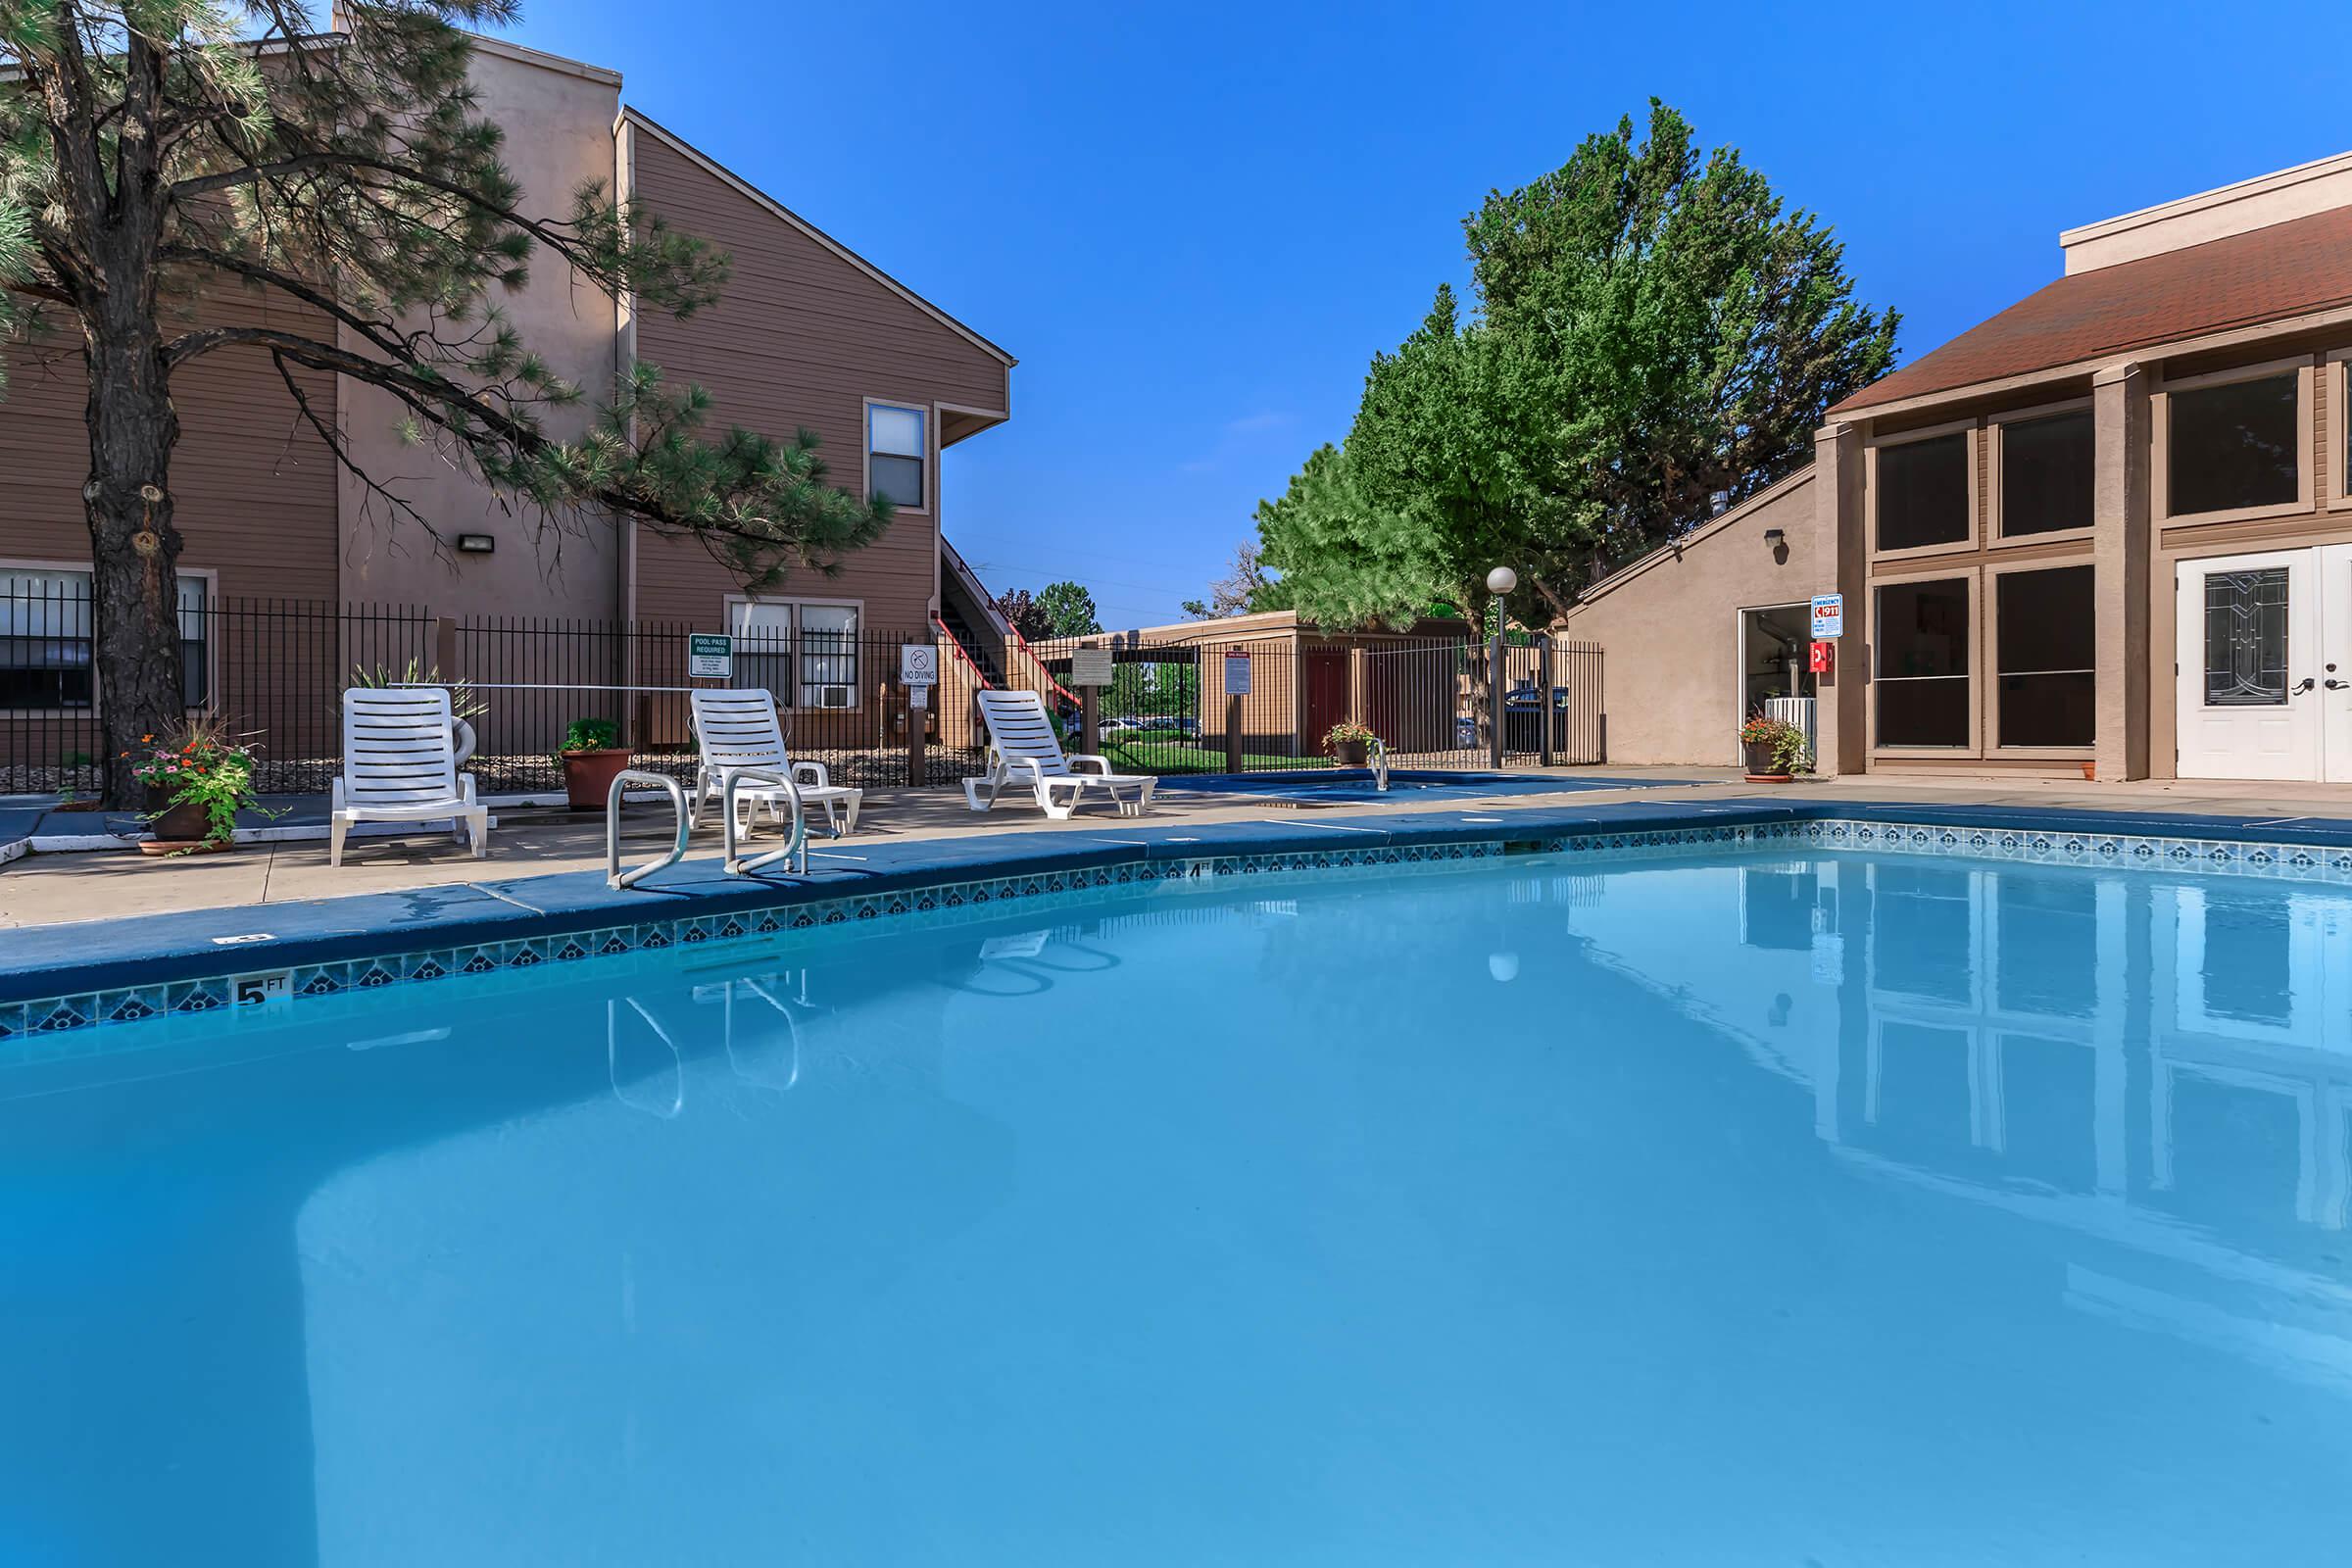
pixel 134 551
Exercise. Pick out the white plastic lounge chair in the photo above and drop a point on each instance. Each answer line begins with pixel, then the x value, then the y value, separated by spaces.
pixel 400 765
pixel 1023 751
pixel 738 730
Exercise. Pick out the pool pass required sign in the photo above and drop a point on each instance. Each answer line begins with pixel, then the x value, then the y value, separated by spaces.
pixel 1237 672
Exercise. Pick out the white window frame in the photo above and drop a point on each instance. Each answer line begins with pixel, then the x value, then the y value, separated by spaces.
pixel 2161 418
pixel 856 684
pixel 923 412
pixel 210 576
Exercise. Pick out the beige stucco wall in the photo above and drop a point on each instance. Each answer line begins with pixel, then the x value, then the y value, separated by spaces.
pixel 1668 626
pixel 560 117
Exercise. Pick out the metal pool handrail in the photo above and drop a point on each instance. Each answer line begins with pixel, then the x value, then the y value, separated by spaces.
pixel 615 876
pixel 1378 756
pixel 795 846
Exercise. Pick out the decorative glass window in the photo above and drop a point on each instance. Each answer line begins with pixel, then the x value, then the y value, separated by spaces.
pixel 47 651
pixel 2046 475
pixel 1923 493
pixel 2234 446
pixel 2245 638
pixel 806 654
pixel 894 454
pixel 1920 636
pixel 2044 663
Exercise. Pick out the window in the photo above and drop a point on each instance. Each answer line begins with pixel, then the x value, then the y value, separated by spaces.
pixel 1920 634
pixel 2045 474
pixel 2044 641
pixel 46 649
pixel 2245 638
pixel 829 655
pixel 2234 446
pixel 1923 493
pixel 894 454
pixel 806 654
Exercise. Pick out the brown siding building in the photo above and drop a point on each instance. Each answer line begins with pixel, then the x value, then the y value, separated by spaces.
pixel 807 335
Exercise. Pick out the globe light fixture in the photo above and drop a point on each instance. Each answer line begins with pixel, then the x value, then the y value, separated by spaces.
pixel 1502 580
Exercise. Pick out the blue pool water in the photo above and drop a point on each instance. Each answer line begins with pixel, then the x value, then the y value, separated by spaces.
pixel 1787 1210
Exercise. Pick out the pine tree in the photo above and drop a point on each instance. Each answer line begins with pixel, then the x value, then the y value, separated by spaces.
pixel 159 152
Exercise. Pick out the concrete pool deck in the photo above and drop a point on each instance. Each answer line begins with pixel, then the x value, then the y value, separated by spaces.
pixel 51 889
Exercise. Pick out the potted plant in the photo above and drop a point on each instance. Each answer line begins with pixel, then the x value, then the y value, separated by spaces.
pixel 1350 743
pixel 1776 750
pixel 195 789
pixel 591 763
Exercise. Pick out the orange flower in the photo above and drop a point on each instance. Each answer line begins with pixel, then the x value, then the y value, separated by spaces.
pixel 144 740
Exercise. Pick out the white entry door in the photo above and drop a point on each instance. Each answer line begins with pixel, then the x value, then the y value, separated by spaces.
pixel 2334 565
pixel 2249 628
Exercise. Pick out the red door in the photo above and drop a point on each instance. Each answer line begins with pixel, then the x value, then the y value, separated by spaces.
pixel 1326 697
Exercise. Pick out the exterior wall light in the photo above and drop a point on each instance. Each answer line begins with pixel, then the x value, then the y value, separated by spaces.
pixel 1775 538
pixel 476 543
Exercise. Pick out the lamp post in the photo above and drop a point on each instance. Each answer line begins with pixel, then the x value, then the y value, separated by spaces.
pixel 1500 582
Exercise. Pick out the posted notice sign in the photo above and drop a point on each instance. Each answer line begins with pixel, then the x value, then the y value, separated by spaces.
pixel 1828 617
pixel 1237 672
pixel 1089 666
pixel 918 666
pixel 709 656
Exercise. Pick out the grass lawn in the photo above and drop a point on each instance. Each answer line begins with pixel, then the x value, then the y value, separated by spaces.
pixel 1176 755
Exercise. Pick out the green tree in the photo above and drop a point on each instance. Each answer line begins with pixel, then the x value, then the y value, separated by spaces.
pixel 1068 608
pixel 1672 334
pixel 1344 562
pixel 334 202
pixel 1655 337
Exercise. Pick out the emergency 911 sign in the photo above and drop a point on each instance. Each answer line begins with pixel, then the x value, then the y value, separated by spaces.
pixel 1828 617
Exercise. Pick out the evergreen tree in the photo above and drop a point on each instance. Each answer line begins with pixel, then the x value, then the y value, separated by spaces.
pixel 1069 610
pixel 160 155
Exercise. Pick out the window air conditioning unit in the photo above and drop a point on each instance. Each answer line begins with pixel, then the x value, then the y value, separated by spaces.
pixel 832 697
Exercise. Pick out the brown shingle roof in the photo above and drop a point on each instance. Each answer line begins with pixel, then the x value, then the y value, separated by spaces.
pixel 2264 274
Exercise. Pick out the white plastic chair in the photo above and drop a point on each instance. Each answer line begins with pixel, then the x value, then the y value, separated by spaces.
pixel 1023 750
pixel 737 730
pixel 401 752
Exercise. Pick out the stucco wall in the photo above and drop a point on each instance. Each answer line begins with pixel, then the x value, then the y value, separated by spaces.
pixel 558 117
pixel 1669 624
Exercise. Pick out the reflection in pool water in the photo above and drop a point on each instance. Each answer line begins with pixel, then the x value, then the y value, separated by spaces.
pixel 1833 1208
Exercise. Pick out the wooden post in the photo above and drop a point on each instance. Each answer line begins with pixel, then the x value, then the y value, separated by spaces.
pixel 1089 718
pixel 918 721
pixel 1233 734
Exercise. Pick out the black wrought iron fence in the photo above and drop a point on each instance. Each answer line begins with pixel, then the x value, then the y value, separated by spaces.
pixel 273 670
pixel 1266 703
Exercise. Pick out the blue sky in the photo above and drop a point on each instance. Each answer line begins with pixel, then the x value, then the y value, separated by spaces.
pixel 1194 224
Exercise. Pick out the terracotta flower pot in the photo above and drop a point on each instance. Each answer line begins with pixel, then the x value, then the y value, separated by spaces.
pixel 1760 769
pixel 1352 754
pixel 588 775
pixel 185 823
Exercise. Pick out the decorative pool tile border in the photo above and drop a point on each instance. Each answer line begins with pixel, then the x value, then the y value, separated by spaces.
pixel 29 1028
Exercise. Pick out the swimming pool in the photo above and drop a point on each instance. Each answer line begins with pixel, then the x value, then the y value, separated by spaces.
pixel 1760 1205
